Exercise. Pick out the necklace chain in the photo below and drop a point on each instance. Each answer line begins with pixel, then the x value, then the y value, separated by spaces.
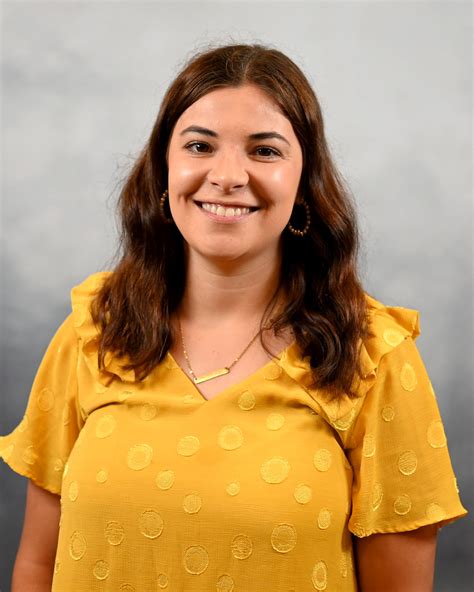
pixel 215 373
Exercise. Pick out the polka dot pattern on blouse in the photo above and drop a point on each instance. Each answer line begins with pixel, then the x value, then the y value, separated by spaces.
pixel 259 488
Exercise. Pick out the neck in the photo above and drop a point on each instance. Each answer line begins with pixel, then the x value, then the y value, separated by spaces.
pixel 228 292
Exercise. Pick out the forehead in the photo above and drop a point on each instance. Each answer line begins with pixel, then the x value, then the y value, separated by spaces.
pixel 245 107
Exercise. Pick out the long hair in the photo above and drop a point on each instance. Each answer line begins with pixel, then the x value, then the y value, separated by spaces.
pixel 326 305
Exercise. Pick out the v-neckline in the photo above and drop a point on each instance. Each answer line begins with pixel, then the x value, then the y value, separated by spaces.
pixel 275 360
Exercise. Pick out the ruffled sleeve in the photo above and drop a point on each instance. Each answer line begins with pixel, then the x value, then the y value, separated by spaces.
pixel 396 444
pixel 392 431
pixel 39 446
pixel 63 394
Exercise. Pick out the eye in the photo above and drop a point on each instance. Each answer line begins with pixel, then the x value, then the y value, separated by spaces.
pixel 267 152
pixel 199 147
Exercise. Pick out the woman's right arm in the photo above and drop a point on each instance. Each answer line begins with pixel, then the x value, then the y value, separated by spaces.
pixel 34 565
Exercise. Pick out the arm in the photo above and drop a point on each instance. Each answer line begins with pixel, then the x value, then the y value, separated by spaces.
pixel 34 565
pixel 400 562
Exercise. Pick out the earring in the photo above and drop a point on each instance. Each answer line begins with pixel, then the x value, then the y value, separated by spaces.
pixel 302 232
pixel 162 206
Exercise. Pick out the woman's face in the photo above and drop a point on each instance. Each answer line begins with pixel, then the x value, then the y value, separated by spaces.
pixel 234 166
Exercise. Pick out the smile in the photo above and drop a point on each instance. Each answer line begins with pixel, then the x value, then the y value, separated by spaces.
pixel 219 211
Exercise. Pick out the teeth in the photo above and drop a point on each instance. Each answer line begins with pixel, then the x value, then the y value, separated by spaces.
pixel 209 207
pixel 223 211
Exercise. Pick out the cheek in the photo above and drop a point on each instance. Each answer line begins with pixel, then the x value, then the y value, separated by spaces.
pixel 180 169
pixel 182 181
pixel 286 178
pixel 183 177
pixel 281 188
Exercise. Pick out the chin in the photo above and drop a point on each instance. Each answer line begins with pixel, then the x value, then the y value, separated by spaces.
pixel 224 256
pixel 221 253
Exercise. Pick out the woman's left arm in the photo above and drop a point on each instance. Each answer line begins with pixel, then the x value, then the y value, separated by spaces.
pixel 398 562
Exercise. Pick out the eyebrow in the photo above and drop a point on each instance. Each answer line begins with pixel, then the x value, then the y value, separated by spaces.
pixel 258 136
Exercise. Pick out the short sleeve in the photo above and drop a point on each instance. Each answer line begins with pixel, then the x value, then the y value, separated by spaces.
pixel 403 478
pixel 38 448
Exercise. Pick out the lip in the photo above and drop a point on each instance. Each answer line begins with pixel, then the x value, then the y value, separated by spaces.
pixel 227 205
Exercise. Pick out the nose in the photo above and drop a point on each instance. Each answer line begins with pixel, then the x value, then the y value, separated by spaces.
pixel 228 171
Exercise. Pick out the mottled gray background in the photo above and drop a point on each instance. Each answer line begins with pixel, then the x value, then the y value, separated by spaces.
pixel 81 85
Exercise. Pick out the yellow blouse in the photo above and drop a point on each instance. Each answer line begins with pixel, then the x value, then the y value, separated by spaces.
pixel 258 488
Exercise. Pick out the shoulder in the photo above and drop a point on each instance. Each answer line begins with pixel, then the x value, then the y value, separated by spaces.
pixel 78 323
pixel 387 349
pixel 88 334
pixel 388 328
pixel 82 294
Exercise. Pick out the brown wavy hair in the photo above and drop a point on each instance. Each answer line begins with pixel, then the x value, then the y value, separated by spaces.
pixel 326 305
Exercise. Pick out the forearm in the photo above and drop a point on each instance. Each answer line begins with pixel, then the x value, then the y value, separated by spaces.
pixel 31 577
pixel 402 562
pixel 34 565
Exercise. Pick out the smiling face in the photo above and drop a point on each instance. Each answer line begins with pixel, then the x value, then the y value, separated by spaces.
pixel 234 166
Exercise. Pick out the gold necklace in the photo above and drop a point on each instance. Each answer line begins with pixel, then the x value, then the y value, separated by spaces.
pixel 216 373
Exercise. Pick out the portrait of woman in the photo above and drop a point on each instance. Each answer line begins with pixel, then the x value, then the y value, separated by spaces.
pixel 228 408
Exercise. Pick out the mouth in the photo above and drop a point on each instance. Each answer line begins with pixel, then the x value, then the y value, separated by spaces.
pixel 226 211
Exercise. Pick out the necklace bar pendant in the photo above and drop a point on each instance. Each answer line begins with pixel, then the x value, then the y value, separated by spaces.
pixel 212 375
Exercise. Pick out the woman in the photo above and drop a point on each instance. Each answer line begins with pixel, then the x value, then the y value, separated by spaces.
pixel 229 409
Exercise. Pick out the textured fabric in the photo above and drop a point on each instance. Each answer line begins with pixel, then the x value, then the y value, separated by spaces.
pixel 258 488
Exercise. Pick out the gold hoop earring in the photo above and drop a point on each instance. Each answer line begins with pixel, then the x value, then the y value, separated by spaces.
pixel 162 207
pixel 302 232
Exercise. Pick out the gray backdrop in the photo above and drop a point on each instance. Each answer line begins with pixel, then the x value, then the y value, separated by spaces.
pixel 81 85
